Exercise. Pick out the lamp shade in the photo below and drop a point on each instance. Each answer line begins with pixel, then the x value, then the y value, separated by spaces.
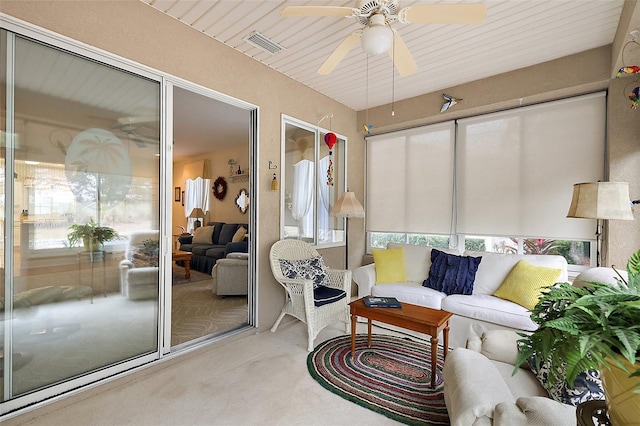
pixel 601 200
pixel 196 213
pixel 377 37
pixel 348 206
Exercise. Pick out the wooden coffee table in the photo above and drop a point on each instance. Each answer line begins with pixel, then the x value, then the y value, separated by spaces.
pixel 186 257
pixel 412 317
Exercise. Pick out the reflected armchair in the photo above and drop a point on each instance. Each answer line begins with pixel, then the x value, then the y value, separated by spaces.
pixel 297 266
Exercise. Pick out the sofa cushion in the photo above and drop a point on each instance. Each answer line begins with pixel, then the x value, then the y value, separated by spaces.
pixel 203 235
pixel 523 383
pixel 452 274
pixel 586 387
pixel 217 228
pixel 410 292
pixel 239 235
pixel 306 269
pixel 417 260
pixel 227 232
pixel 389 265
pixel 495 267
pixel 201 249
pixel 490 309
pixel 216 252
pixel 525 283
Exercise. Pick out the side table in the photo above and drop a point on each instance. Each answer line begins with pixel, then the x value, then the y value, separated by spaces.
pixel 92 257
pixel 592 413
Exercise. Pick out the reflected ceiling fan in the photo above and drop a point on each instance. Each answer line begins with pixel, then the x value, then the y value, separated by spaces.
pixel 377 36
pixel 141 130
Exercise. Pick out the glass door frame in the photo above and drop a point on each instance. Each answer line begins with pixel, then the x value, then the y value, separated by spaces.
pixel 76 385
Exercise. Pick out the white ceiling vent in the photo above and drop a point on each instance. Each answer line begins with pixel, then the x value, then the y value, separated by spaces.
pixel 261 42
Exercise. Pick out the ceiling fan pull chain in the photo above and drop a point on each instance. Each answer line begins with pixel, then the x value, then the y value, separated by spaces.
pixel 393 78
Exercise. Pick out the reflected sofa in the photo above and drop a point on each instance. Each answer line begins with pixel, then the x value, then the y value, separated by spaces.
pixel 231 275
pixel 139 269
pixel 205 254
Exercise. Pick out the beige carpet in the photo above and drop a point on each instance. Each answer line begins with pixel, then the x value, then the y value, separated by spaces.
pixel 69 338
pixel 260 379
pixel 196 312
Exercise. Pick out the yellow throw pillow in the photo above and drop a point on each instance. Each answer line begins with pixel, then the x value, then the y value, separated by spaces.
pixel 203 235
pixel 239 235
pixel 525 283
pixel 389 265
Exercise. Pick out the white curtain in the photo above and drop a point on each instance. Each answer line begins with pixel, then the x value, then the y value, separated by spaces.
pixel 325 194
pixel 196 195
pixel 302 198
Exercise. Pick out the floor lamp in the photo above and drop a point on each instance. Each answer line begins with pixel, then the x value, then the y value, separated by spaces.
pixel 601 201
pixel 347 206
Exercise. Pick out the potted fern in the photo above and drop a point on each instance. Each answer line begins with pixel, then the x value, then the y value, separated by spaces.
pixel 592 328
pixel 91 234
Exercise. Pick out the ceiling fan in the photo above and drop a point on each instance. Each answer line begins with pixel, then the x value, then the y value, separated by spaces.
pixel 377 36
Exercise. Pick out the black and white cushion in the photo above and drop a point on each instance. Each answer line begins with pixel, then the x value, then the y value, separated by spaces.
pixel 307 269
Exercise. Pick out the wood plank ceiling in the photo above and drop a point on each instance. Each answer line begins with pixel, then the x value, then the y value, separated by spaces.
pixel 515 34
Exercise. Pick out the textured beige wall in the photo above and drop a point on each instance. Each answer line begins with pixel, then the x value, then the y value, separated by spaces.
pixel 135 31
pixel 623 135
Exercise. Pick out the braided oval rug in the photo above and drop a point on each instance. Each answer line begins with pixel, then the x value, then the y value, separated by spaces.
pixel 392 377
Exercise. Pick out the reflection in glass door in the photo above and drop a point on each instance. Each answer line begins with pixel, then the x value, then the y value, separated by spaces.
pixel 80 214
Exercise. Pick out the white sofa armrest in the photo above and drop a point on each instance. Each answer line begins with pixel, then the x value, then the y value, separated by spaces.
pixel 473 386
pixel 500 345
pixel 534 410
pixel 365 278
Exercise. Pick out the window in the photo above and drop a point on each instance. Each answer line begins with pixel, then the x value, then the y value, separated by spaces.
pixel 314 178
pixel 497 182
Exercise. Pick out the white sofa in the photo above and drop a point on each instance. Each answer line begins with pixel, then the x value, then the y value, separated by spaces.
pixel 480 388
pixel 473 314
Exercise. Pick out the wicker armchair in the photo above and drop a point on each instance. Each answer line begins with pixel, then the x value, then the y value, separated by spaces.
pixel 300 301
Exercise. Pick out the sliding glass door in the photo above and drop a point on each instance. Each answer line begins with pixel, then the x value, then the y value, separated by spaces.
pixel 80 194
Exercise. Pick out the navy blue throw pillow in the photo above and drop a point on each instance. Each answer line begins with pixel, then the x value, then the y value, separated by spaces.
pixel 452 274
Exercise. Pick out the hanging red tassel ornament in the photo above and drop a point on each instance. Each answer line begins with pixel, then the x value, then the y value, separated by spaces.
pixel 330 139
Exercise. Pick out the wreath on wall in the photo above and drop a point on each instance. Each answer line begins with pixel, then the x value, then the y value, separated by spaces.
pixel 220 188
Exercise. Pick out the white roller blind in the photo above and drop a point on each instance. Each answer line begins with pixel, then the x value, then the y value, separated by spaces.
pixel 410 180
pixel 516 169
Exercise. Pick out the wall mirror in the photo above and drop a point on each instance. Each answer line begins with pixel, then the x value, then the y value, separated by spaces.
pixel 313 179
pixel 242 200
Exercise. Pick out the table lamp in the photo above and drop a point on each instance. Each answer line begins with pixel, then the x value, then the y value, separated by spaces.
pixel 196 213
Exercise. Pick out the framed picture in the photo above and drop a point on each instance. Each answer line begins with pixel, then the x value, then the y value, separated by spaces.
pixel 182 198
pixel 176 194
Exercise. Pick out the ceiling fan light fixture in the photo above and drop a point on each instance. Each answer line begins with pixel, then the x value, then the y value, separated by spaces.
pixel 377 38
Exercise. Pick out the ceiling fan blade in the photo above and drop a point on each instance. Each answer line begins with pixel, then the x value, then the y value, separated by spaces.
pixel 443 13
pixel 401 56
pixel 340 52
pixel 339 12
